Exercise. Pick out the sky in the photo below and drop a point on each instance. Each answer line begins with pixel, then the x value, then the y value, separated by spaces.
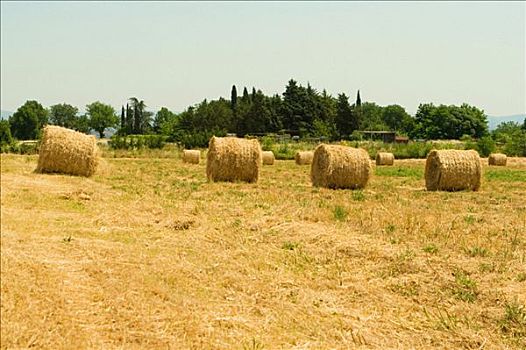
pixel 175 54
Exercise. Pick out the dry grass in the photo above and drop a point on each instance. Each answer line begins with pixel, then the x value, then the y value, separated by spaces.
pixel 151 255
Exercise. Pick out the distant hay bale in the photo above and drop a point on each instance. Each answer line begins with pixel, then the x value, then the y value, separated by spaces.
pixel 191 156
pixel 453 170
pixel 384 158
pixel 268 157
pixel 68 152
pixel 233 159
pixel 304 157
pixel 497 159
pixel 335 166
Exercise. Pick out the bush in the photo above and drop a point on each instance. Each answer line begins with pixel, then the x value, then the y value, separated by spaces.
pixel 137 141
pixel 28 147
pixel 267 143
pixel 485 146
pixel 516 145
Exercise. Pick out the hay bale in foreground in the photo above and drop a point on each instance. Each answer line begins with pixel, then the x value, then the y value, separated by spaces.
pixel 453 170
pixel 335 166
pixel 497 159
pixel 68 152
pixel 191 156
pixel 304 157
pixel 233 159
pixel 384 158
pixel 268 157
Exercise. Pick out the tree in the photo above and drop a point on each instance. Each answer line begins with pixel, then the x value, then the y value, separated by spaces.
pixel 396 118
pixel 258 118
pixel 233 99
pixel 162 117
pixel 524 124
pixel 450 122
pixel 245 97
pixel 344 116
pixel 358 99
pixel 123 119
pixel 64 115
pixel 28 120
pixel 6 139
pixel 101 116
pixel 371 117
pixel 83 124
pixel 139 124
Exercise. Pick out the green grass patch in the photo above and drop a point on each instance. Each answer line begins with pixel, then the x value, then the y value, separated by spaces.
pixel 507 175
pixel 398 171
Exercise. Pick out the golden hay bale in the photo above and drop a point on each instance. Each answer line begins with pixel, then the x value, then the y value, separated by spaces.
pixel 304 157
pixel 497 159
pixel 233 159
pixel 191 156
pixel 384 158
pixel 66 151
pixel 268 157
pixel 453 170
pixel 337 166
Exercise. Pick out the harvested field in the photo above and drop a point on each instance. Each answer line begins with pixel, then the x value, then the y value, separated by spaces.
pixel 150 255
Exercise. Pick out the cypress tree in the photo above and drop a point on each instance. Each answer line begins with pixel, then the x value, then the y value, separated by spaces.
pixel 245 94
pixel 123 119
pixel 129 119
pixel 233 99
pixel 358 100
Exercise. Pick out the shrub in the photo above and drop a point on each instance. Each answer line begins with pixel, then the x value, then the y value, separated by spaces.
pixel 267 143
pixel 137 141
pixel 485 146
pixel 516 145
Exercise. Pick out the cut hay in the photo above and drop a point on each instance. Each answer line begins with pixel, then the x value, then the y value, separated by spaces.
pixel 453 170
pixel 233 159
pixel 191 156
pixel 304 157
pixel 497 159
pixel 384 158
pixel 337 166
pixel 268 157
pixel 68 152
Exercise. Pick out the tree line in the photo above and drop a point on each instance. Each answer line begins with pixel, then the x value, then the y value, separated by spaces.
pixel 299 110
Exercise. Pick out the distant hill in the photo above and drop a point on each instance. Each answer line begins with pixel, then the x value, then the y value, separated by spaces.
pixel 494 121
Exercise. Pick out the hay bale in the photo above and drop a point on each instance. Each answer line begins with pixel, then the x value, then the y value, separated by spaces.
pixel 497 159
pixel 233 159
pixel 68 152
pixel 304 157
pixel 191 156
pixel 268 157
pixel 335 166
pixel 384 158
pixel 453 170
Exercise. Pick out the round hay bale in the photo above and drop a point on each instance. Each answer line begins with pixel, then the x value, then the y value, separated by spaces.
pixel 304 157
pixel 233 159
pixel 191 156
pixel 384 158
pixel 268 157
pixel 68 152
pixel 335 166
pixel 453 170
pixel 499 159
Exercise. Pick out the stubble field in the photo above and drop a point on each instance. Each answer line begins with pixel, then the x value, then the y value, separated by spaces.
pixel 148 254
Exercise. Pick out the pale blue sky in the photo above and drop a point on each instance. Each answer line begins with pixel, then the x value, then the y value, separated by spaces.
pixel 174 54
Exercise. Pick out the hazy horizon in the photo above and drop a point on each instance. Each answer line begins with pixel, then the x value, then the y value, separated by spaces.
pixel 176 54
